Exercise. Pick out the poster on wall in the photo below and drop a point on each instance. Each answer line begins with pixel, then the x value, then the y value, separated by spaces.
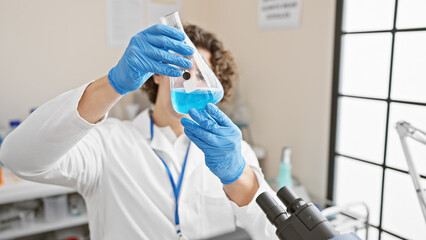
pixel 125 18
pixel 279 14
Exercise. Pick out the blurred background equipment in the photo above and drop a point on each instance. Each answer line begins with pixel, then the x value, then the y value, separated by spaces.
pixel 284 176
pixel 32 211
pixel 345 218
pixel 406 130
pixel 301 221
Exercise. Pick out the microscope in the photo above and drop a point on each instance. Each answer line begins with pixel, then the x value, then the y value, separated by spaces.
pixel 302 221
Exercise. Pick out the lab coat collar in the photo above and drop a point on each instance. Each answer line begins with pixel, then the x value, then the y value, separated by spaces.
pixel 160 142
pixel 142 123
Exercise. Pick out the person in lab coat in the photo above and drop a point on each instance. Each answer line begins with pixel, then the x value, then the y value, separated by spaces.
pixel 160 176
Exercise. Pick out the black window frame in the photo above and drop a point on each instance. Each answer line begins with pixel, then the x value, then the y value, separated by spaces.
pixel 339 33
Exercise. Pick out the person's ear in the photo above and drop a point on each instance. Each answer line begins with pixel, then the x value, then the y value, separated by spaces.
pixel 156 78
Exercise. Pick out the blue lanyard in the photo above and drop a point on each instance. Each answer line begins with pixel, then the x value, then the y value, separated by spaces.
pixel 176 188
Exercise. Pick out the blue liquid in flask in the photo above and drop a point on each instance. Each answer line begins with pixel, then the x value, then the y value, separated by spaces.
pixel 183 101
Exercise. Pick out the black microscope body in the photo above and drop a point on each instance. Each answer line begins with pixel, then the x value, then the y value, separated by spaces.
pixel 302 221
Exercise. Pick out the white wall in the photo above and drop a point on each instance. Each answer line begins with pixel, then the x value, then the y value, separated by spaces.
pixel 50 46
pixel 47 47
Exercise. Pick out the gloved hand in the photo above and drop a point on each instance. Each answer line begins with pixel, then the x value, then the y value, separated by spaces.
pixel 147 54
pixel 220 140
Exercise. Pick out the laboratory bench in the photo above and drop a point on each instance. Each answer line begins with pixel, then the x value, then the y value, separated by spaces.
pixel 22 191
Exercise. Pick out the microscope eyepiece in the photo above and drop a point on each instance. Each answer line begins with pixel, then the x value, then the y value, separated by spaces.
pixel 290 199
pixel 287 195
pixel 274 212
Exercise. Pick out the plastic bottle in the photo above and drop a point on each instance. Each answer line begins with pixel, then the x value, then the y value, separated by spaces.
pixel 284 176
pixel 1 175
pixel 1 165
pixel 12 125
pixel 4 132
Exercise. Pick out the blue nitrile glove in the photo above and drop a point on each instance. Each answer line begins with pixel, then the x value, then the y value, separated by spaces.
pixel 220 140
pixel 147 54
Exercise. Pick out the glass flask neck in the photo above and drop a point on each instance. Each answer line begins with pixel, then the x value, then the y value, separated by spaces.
pixel 173 20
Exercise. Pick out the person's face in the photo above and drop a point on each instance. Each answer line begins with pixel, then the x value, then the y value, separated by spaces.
pixel 163 96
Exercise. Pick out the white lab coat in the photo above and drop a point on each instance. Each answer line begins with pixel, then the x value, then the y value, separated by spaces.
pixel 125 185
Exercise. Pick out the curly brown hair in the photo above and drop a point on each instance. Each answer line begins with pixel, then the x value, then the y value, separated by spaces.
pixel 223 64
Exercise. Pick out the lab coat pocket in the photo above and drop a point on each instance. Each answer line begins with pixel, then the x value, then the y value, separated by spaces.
pixel 218 217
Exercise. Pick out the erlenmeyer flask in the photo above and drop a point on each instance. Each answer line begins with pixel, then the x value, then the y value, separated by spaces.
pixel 198 85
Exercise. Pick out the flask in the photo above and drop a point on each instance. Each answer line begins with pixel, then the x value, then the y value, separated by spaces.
pixel 198 85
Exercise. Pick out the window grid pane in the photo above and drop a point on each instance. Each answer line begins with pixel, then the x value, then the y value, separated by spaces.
pixel 409 73
pixel 411 16
pixel 386 236
pixel 365 64
pixel 361 128
pixel 359 182
pixel 366 15
pixel 415 115
pixel 401 209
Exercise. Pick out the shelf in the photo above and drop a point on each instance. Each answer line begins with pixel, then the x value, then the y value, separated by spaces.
pixel 26 190
pixel 41 227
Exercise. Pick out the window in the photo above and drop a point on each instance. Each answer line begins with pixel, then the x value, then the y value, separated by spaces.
pixel 379 79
